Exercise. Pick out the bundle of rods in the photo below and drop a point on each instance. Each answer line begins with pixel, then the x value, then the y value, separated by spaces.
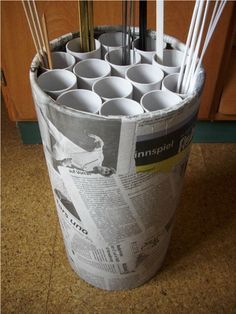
pixel 87 42
pixel 196 43
pixel 128 19
pixel 142 24
pixel 39 33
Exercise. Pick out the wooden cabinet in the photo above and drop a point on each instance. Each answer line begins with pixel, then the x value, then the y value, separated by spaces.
pixel 62 16
pixel 227 102
pixel 227 105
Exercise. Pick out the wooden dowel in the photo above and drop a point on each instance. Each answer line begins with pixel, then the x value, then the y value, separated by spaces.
pixel 38 22
pixel 45 31
pixel 43 47
pixel 35 27
pixel 32 33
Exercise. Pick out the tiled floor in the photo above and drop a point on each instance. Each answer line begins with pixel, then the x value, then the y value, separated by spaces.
pixel 198 275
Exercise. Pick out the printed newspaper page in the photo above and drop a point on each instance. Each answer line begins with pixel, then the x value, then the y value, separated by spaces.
pixel 125 222
pixel 162 143
pixel 116 188
pixel 120 260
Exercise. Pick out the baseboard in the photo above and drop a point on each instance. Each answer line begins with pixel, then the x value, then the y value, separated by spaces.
pixel 29 132
pixel 215 132
pixel 205 132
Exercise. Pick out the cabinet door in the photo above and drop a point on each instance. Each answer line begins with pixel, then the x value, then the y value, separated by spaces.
pixel 62 16
pixel 227 103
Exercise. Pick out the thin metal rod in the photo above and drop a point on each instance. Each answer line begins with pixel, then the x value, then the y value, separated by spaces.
pixel 142 24
pixel 129 31
pixel 91 26
pixel 84 32
pixel 80 25
pixel 123 33
pixel 86 25
pixel 126 32
pixel 85 9
pixel 133 30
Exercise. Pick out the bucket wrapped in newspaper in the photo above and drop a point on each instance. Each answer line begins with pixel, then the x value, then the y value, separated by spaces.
pixel 116 182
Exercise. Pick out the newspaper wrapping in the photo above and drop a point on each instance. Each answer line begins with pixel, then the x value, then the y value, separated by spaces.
pixel 116 182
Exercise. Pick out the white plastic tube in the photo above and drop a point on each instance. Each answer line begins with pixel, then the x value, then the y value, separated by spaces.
pixel 160 28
